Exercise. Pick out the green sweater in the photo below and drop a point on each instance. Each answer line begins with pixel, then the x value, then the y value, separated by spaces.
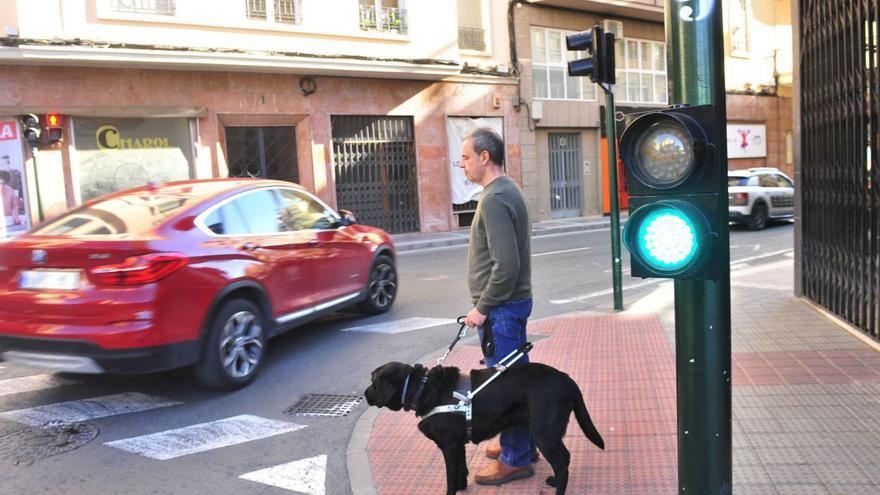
pixel 499 255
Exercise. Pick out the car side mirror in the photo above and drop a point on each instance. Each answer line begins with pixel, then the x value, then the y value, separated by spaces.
pixel 347 218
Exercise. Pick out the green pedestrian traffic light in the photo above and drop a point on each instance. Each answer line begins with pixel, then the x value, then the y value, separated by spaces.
pixel 672 174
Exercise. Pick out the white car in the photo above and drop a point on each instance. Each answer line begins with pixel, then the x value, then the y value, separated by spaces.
pixel 757 195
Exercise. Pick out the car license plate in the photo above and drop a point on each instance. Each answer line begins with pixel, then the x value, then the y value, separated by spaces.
pixel 49 279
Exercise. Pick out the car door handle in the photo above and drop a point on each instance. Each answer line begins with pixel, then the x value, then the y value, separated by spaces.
pixel 314 242
pixel 249 246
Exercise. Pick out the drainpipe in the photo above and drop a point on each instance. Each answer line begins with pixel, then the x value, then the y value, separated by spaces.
pixel 514 60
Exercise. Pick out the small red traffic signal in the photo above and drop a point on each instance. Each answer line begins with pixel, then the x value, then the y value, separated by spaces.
pixel 54 128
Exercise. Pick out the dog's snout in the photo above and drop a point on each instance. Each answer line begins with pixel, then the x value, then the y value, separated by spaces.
pixel 370 394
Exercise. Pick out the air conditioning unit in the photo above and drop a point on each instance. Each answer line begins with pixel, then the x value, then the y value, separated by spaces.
pixel 537 110
pixel 612 26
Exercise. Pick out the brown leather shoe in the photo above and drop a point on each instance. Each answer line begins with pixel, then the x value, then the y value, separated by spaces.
pixel 499 473
pixel 493 451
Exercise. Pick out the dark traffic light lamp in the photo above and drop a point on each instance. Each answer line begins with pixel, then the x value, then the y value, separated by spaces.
pixel 672 177
pixel 31 129
pixel 600 66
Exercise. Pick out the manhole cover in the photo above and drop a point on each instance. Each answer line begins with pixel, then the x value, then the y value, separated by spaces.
pixel 325 405
pixel 23 447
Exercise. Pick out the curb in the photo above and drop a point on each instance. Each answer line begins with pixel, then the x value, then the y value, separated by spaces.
pixel 461 238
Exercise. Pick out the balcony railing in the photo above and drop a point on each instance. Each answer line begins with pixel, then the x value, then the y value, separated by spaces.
pixel 154 7
pixel 383 19
pixel 471 38
pixel 285 11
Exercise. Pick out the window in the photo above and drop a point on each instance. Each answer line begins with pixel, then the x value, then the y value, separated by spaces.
pixel 471 35
pixel 641 71
pixel 260 210
pixel 768 180
pixel 301 212
pixel 382 15
pixel 550 68
pixel 281 11
pixel 783 182
pixel 152 7
pixel 227 220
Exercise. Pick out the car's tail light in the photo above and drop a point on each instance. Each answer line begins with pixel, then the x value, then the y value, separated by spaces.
pixel 738 199
pixel 138 270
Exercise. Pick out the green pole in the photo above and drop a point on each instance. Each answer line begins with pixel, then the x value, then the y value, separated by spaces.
pixel 37 183
pixel 611 135
pixel 702 307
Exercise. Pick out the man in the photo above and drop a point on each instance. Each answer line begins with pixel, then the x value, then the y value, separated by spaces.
pixel 499 280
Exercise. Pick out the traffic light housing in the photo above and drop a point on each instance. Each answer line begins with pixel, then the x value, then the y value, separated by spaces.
pixel 32 130
pixel 600 66
pixel 673 177
pixel 54 128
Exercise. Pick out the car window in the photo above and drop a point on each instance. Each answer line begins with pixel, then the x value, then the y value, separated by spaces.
pixel 737 181
pixel 260 212
pixel 767 180
pixel 300 211
pixel 227 220
pixel 783 182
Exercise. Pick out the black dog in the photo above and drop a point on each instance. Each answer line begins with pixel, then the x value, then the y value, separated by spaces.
pixel 532 395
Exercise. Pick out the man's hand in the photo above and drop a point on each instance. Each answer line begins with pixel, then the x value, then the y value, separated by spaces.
pixel 474 318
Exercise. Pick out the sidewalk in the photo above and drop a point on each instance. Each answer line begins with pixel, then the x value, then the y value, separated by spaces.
pixel 806 400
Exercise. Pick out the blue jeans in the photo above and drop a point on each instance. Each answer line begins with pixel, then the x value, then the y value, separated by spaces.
pixel 508 324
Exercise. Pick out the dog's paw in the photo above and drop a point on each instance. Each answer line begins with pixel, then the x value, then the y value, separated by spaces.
pixel 551 480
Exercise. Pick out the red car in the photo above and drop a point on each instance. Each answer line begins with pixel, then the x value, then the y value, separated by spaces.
pixel 197 272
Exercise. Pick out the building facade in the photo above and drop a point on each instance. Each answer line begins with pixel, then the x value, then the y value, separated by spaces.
pixel 758 74
pixel 356 100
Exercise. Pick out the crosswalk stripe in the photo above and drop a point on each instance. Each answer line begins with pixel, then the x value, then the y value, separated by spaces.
pixel 304 476
pixel 400 326
pixel 31 383
pixel 202 437
pixel 86 409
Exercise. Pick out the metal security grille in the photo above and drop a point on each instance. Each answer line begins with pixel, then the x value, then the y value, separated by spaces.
pixel 565 177
pixel 375 165
pixel 840 129
pixel 325 405
pixel 266 152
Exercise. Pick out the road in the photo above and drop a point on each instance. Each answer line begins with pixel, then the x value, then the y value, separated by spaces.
pixel 164 434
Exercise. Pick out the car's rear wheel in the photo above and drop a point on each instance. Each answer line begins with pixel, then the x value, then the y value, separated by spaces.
pixel 758 219
pixel 235 347
pixel 381 286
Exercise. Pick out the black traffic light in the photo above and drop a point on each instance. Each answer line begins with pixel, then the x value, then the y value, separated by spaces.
pixel 600 66
pixel 54 128
pixel 673 177
pixel 31 129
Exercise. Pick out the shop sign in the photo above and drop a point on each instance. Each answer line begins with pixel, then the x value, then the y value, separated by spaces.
pixel 13 197
pixel 457 128
pixel 122 153
pixel 746 141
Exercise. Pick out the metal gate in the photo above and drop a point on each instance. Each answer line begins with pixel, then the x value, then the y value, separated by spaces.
pixel 840 104
pixel 374 162
pixel 267 152
pixel 565 176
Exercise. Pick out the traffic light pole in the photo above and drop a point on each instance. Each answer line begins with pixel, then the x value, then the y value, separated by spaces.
pixel 37 183
pixel 611 135
pixel 702 307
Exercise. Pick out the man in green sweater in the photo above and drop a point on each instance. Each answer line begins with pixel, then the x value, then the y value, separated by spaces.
pixel 499 280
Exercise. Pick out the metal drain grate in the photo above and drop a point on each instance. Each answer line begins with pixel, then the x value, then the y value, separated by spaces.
pixel 325 405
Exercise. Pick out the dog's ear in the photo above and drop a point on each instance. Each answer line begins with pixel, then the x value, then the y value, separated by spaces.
pixel 388 382
pixel 447 376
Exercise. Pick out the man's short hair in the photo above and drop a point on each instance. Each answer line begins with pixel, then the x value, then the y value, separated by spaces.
pixel 486 139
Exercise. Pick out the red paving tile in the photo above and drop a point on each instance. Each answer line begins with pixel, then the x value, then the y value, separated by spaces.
pixel 626 368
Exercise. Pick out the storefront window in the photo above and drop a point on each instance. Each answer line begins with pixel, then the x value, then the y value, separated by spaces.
pixel 115 154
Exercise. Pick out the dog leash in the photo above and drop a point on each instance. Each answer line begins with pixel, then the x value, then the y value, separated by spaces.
pixel 461 333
